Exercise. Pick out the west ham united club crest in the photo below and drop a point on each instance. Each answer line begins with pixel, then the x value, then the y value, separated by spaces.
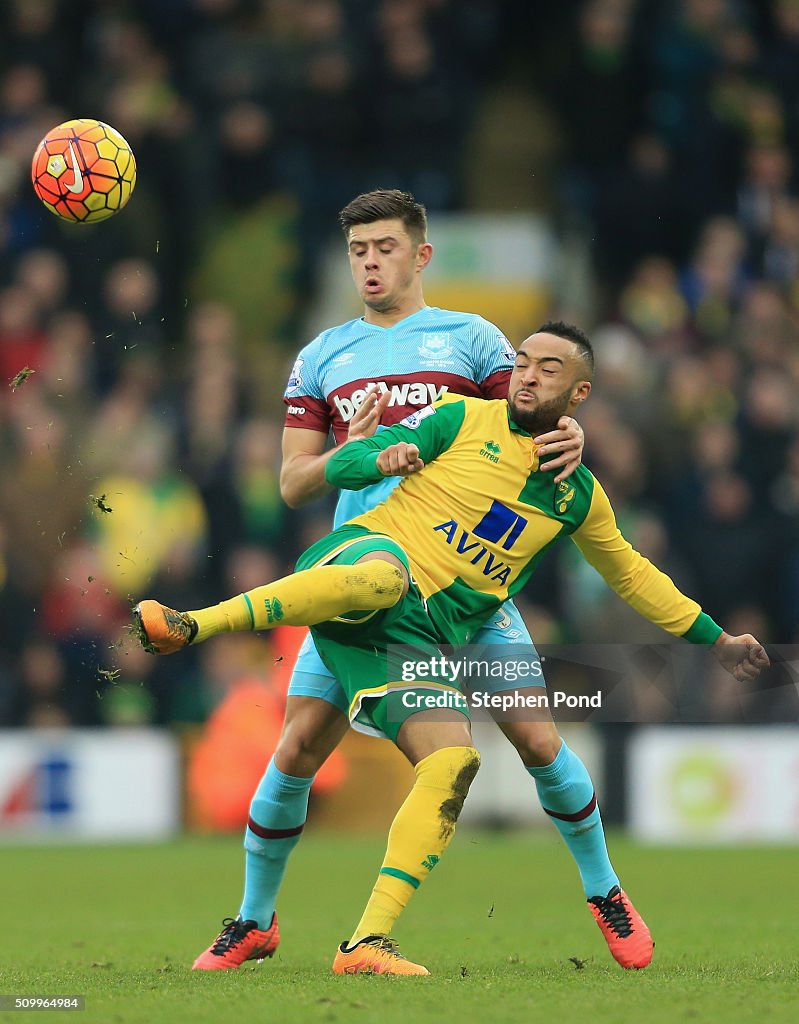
pixel 436 348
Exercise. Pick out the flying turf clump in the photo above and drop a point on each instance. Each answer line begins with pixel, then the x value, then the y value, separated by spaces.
pixel 19 378
pixel 100 503
pixel 136 630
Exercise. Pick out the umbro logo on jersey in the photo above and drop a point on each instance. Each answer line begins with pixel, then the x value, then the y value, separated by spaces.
pixel 408 393
pixel 491 451
pixel 343 359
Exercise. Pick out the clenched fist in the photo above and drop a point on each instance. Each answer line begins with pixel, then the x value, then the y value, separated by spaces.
pixel 400 459
pixel 742 656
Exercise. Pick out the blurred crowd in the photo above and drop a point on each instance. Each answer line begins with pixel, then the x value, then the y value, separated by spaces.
pixel 142 454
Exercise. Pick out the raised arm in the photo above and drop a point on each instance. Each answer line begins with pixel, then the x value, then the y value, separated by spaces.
pixel 399 450
pixel 302 472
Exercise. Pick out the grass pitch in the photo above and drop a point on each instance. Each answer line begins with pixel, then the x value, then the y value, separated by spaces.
pixel 501 924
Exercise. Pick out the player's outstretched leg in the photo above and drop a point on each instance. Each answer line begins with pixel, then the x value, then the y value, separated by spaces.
pixel 302 599
pixel 420 833
pixel 238 942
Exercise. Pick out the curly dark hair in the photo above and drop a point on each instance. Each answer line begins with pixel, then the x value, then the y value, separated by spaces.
pixel 572 333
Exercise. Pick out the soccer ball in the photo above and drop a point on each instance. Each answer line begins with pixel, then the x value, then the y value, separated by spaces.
pixel 83 170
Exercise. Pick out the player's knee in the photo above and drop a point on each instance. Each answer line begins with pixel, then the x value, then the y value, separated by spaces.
pixel 376 584
pixel 536 748
pixel 389 585
pixel 300 754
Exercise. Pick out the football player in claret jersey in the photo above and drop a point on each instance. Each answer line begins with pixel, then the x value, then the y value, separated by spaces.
pixel 429 565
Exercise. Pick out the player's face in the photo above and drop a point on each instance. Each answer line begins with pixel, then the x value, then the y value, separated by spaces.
pixel 547 382
pixel 385 263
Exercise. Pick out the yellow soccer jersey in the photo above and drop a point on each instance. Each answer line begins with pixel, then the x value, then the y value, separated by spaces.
pixel 479 516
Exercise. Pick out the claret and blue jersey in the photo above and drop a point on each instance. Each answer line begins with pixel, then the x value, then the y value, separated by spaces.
pixel 429 354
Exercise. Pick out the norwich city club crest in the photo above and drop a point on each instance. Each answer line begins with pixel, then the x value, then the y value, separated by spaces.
pixel 564 497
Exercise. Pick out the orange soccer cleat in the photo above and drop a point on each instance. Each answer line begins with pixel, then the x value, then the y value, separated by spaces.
pixel 626 934
pixel 376 954
pixel 162 630
pixel 238 942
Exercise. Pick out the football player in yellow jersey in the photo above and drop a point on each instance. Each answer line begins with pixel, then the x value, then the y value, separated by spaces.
pixel 461 534
pixel 415 353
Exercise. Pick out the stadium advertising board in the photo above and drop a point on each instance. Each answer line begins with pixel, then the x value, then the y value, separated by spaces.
pixel 714 785
pixel 83 784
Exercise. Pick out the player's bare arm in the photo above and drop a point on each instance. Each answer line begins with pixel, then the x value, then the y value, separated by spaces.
pixel 567 441
pixel 742 656
pixel 302 472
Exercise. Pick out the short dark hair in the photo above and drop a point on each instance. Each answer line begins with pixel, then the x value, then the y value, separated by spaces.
pixel 386 204
pixel 572 333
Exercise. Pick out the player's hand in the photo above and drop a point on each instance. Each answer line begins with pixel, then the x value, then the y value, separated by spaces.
pixel 742 656
pixel 367 416
pixel 568 440
pixel 400 459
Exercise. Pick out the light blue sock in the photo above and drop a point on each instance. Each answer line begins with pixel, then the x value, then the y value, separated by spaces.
pixel 567 795
pixel 277 818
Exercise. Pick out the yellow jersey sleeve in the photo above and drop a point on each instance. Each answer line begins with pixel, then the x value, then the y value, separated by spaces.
pixel 635 579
